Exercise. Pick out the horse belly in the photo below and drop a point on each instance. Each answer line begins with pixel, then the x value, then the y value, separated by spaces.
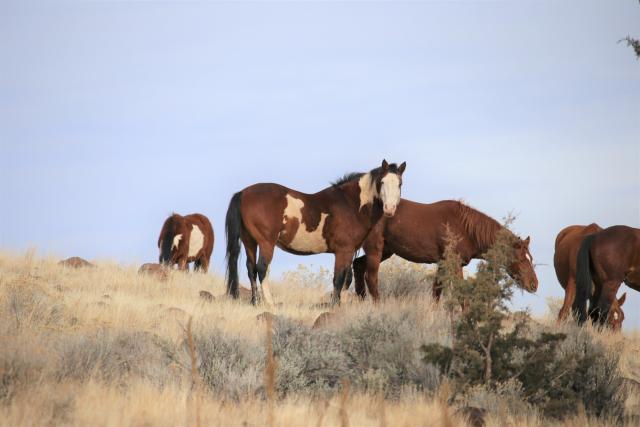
pixel 299 239
pixel 295 236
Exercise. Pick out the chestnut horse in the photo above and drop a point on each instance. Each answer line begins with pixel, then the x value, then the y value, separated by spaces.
pixel 417 233
pixel 335 220
pixel 564 260
pixel 185 239
pixel 605 260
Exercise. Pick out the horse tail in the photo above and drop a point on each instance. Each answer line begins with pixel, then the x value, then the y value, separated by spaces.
pixel 584 279
pixel 233 229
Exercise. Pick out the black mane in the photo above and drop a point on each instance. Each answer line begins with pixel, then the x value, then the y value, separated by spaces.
pixel 352 176
pixel 347 177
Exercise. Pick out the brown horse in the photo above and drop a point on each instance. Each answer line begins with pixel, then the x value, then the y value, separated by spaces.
pixel 417 233
pixel 605 260
pixel 564 260
pixel 185 239
pixel 335 220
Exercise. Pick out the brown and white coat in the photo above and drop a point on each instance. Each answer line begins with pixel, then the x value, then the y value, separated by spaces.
pixel 185 239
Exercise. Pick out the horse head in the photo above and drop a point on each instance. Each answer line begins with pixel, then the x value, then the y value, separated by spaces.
pixel 172 243
pixel 389 185
pixel 615 315
pixel 521 269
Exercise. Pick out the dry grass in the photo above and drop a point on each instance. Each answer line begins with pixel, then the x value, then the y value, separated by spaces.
pixel 109 347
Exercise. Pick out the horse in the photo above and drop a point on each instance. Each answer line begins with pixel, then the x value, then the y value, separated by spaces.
pixel 565 259
pixel 417 233
pixel 334 220
pixel 605 260
pixel 185 239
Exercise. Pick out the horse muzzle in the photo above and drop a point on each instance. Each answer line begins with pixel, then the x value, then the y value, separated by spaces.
pixel 389 211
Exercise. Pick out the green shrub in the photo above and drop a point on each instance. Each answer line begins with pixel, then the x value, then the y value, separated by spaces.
pixel 555 374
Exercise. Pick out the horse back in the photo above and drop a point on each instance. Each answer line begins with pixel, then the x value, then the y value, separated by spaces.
pixel 417 231
pixel 616 252
pixel 203 223
pixel 263 204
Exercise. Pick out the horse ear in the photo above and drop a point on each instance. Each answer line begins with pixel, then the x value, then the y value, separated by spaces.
pixel 622 299
pixel 527 240
pixel 402 167
pixel 385 165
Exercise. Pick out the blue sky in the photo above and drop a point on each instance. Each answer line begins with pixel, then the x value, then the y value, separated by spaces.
pixel 114 114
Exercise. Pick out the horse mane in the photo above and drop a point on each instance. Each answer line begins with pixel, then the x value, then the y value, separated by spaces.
pixel 347 177
pixel 478 225
pixel 352 176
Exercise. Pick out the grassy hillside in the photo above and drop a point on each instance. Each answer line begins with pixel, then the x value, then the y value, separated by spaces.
pixel 106 346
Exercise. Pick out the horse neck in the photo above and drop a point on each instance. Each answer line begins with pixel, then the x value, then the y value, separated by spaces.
pixel 480 229
pixel 360 194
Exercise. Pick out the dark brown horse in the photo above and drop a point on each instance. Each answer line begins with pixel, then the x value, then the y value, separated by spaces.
pixel 185 239
pixel 605 260
pixel 335 220
pixel 564 260
pixel 417 233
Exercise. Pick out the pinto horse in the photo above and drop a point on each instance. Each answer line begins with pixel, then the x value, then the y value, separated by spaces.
pixel 605 260
pixel 334 220
pixel 417 233
pixel 185 239
pixel 565 259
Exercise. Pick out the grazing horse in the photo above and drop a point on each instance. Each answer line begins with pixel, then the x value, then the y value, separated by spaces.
pixel 417 233
pixel 334 220
pixel 185 239
pixel 564 260
pixel 605 260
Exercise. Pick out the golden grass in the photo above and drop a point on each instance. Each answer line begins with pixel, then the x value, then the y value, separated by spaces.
pixel 115 298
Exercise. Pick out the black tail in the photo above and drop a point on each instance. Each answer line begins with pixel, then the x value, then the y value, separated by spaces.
pixel 584 280
pixel 233 229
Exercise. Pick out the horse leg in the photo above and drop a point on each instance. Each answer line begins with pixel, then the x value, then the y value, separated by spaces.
pixel 436 288
pixel 340 273
pixel 569 297
pixel 264 260
pixel 183 265
pixel 204 264
pixel 251 248
pixel 374 259
pixel 371 276
pixel 201 265
pixel 608 294
pixel 359 267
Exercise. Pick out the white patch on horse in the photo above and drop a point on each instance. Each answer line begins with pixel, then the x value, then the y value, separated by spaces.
pixel 304 241
pixel 176 241
pixel 368 191
pixel 390 191
pixel 266 291
pixel 196 241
